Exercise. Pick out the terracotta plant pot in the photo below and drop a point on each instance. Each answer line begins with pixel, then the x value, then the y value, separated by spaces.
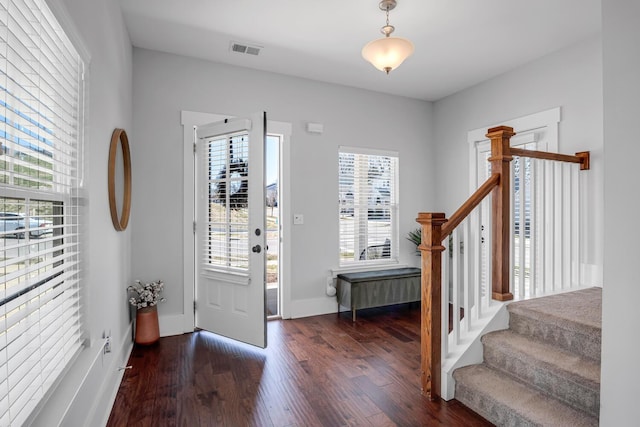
pixel 147 328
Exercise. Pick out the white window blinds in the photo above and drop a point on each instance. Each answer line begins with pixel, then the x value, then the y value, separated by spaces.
pixel 227 167
pixel 41 93
pixel 368 206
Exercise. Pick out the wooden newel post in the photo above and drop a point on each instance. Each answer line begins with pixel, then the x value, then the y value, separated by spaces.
pixel 500 211
pixel 431 323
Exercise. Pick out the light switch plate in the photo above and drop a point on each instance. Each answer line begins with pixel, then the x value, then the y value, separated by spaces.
pixel 298 219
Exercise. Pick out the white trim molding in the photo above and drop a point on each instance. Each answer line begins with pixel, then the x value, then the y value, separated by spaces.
pixel 548 119
pixel 189 120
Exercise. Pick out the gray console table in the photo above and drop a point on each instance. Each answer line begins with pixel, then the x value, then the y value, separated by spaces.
pixel 368 289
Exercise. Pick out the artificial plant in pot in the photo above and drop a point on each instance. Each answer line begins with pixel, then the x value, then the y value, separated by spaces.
pixel 145 298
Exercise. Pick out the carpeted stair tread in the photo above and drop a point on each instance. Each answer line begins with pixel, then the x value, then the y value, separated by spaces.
pixel 545 369
pixel 506 402
pixel 583 307
pixel 571 320
pixel 560 373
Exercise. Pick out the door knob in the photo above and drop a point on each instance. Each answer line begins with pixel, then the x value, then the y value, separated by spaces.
pixel 256 249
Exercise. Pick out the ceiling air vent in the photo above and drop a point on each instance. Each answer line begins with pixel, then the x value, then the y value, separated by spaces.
pixel 245 48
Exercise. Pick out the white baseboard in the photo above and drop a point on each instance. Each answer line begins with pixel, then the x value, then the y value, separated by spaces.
pixel 111 390
pixel 172 324
pixel 591 275
pixel 313 307
pixel 87 392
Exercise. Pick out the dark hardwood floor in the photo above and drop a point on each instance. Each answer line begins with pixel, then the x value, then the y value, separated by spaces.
pixel 316 371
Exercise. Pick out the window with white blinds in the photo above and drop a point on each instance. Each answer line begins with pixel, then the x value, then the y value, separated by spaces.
pixel 227 166
pixel 368 206
pixel 41 103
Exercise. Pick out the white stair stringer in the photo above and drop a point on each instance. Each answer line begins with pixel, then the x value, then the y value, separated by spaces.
pixel 468 351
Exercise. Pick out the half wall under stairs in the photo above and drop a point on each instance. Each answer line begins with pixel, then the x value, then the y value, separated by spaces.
pixel 545 369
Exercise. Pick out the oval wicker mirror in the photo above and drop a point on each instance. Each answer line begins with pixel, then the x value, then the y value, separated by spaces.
pixel 119 140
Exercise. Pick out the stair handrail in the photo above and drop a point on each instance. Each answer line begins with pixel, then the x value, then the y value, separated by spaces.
pixel 435 227
pixel 472 202
pixel 581 157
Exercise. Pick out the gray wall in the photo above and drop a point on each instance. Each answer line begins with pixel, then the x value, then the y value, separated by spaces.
pixel 570 79
pixel 620 386
pixel 164 84
pixel 85 396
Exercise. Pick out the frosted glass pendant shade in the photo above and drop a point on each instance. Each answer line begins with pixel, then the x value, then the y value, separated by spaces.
pixel 387 53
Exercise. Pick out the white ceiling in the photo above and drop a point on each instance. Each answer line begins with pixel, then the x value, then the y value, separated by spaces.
pixel 458 43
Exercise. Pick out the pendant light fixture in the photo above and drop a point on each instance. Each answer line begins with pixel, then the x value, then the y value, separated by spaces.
pixel 387 53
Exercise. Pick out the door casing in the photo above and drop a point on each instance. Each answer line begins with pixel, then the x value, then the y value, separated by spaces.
pixel 185 322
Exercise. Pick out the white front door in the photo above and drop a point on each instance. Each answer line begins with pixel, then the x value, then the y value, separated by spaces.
pixel 230 229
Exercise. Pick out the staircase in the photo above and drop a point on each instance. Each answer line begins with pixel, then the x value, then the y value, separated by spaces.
pixel 545 369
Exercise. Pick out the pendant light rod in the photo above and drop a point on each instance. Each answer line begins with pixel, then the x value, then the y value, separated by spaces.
pixel 386 6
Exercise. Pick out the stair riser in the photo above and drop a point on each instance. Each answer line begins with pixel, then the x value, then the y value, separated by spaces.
pixel 483 404
pixel 584 397
pixel 574 341
pixel 506 402
pixel 545 369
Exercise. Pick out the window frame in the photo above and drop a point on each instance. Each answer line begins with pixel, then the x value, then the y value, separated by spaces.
pixel 236 260
pixel 363 155
pixel 67 222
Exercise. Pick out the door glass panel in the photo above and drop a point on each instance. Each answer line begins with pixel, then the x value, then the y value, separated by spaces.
pixel 272 210
pixel 227 238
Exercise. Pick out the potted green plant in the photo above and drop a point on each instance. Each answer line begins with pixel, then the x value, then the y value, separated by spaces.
pixel 415 237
